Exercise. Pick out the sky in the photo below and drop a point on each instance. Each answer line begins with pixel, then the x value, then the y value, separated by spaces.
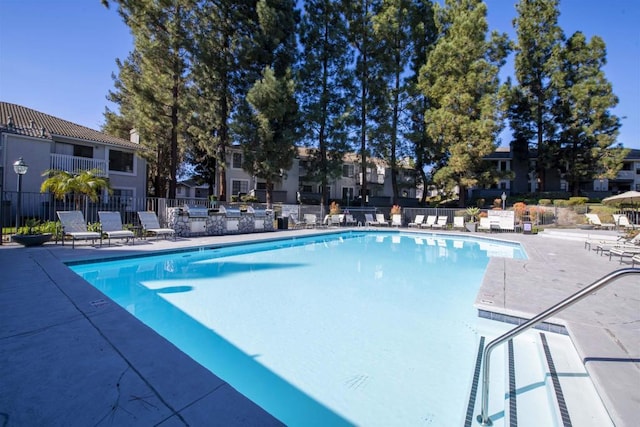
pixel 58 57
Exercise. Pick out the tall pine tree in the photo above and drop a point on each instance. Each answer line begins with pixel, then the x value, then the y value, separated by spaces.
pixel 586 128
pixel 325 81
pixel 461 80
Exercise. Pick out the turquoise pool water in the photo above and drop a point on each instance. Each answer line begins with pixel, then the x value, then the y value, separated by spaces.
pixel 365 328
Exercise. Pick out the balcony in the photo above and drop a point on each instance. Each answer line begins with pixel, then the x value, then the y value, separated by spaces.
pixel 73 164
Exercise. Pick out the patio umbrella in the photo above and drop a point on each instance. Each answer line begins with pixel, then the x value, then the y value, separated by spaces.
pixel 627 198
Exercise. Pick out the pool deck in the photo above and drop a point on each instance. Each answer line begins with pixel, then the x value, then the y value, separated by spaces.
pixel 70 356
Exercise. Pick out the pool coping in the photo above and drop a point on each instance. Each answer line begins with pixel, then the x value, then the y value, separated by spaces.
pixel 182 392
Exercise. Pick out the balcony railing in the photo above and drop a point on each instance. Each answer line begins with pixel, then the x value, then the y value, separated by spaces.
pixel 74 164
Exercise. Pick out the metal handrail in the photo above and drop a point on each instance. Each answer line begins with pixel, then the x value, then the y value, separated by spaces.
pixel 483 418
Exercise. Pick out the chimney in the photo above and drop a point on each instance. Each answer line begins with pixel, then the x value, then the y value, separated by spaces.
pixel 134 136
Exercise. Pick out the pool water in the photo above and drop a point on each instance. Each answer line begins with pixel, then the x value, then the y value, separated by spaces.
pixel 366 328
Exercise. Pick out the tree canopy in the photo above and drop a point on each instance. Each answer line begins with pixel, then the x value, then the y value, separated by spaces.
pixel 409 81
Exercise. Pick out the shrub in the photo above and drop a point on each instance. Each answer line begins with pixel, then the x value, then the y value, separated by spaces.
pixel 395 209
pixel 544 202
pixel 574 201
pixel 561 203
pixel 334 208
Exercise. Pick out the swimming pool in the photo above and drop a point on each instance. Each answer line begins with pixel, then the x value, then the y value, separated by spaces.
pixel 367 328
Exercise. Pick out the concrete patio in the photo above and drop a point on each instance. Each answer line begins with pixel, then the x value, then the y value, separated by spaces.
pixel 70 356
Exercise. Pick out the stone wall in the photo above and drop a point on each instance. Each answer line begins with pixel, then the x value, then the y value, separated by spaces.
pixel 217 224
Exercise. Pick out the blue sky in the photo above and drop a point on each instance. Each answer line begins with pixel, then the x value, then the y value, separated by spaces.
pixel 57 57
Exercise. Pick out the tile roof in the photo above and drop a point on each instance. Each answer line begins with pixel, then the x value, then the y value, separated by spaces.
pixel 25 121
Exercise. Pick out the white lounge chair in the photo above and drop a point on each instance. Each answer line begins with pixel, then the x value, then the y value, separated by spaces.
pixel 369 221
pixel 381 220
pixel 150 224
pixel 622 221
pixel 441 222
pixel 74 226
pixel 311 220
pixel 595 221
pixel 635 259
pixel 295 223
pixel 620 243
pixel 458 222
pixel 417 222
pixel 396 220
pixel 111 225
pixel 431 219
pixel 624 251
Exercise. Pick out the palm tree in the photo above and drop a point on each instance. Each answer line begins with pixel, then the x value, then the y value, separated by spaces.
pixel 84 184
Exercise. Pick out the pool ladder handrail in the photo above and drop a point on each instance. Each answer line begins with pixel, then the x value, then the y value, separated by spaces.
pixel 483 418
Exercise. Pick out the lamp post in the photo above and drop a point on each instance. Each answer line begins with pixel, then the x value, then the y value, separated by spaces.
pixel 20 168
pixel 504 199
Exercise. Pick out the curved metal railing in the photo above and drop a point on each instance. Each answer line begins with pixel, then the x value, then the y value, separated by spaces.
pixel 483 418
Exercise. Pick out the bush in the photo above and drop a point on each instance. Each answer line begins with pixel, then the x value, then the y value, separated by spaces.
pixel 575 201
pixel 561 203
pixel 544 202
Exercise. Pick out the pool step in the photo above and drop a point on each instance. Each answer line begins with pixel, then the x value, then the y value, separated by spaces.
pixel 538 379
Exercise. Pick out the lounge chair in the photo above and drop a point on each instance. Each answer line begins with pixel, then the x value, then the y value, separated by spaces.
pixel 441 222
pixel 622 221
pixel 311 220
pixel 431 219
pixel 396 220
pixel 635 259
pixel 369 221
pixel 150 224
pixel 111 225
pixel 350 220
pixel 295 223
pixel 74 226
pixel 624 251
pixel 381 220
pixel 458 222
pixel 417 222
pixel 621 243
pixel 595 221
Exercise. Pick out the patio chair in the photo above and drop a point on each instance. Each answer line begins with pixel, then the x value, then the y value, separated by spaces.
pixel 111 225
pixel 624 251
pixel 382 220
pixel 74 226
pixel 417 221
pixel 431 219
pixel 396 220
pixel 595 221
pixel 441 222
pixel 295 223
pixel 635 259
pixel 458 222
pixel 620 243
pixel 368 220
pixel 310 220
pixel 150 224
pixel 622 221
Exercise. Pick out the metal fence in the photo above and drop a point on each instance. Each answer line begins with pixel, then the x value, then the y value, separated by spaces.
pixel 20 207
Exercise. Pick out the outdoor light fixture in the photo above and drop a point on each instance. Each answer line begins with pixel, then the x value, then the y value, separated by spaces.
pixel 20 168
pixel 504 199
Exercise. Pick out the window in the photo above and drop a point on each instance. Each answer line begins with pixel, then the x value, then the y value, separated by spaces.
pixel 120 161
pixel 347 171
pixel 307 189
pixel 261 185
pixel 239 186
pixel 236 162
pixel 347 193
pixel 83 151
